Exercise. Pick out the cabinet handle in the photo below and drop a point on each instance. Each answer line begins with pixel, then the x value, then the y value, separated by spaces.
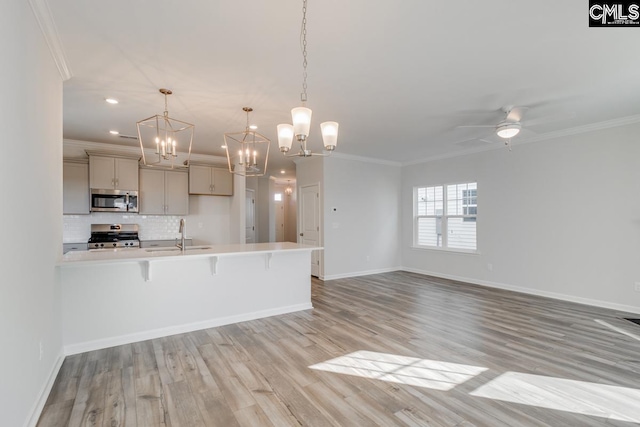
pixel 117 182
pixel 301 234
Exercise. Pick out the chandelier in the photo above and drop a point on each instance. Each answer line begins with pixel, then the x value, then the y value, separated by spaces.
pixel 247 151
pixel 301 116
pixel 288 191
pixel 164 136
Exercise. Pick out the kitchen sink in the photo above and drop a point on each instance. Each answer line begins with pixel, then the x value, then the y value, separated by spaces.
pixel 174 249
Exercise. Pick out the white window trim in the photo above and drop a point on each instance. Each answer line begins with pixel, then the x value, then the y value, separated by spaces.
pixel 438 249
pixel 444 224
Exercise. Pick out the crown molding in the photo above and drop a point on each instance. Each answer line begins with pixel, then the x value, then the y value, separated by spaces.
pixel 592 127
pixel 83 146
pixel 365 159
pixel 78 149
pixel 48 27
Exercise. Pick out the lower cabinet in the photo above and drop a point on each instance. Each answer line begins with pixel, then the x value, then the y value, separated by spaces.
pixel 163 192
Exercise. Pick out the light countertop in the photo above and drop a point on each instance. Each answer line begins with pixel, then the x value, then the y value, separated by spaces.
pixel 100 256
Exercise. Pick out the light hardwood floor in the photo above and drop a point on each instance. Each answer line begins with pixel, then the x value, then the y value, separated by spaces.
pixel 479 357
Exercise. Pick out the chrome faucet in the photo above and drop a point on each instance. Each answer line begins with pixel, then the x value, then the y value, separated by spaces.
pixel 182 231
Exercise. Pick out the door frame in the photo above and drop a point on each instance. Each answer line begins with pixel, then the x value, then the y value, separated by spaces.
pixel 299 204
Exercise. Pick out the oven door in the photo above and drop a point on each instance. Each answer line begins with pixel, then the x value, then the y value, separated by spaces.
pixel 114 201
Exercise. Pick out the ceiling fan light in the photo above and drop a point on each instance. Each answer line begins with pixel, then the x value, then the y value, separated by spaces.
pixel 301 117
pixel 329 135
pixel 508 130
pixel 285 137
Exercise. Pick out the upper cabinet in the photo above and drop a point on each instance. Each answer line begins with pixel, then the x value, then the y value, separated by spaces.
pixel 210 180
pixel 75 187
pixel 164 192
pixel 113 173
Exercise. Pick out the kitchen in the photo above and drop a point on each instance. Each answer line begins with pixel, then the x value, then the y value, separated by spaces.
pixel 218 279
pixel 211 219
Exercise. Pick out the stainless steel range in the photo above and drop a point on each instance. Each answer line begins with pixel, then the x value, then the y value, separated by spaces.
pixel 109 236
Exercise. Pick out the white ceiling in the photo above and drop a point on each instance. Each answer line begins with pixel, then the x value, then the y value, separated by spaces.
pixel 399 76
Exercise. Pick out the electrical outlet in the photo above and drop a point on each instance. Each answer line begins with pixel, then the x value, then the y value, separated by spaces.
pixel 368 258
pixel 490 267
pixel 637 286
pixel 41 350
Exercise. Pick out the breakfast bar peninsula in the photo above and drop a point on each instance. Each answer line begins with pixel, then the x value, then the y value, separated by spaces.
pixel 115 296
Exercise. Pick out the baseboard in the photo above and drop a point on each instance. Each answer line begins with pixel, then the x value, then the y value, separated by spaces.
pixel 360 273
pixel 554 295
pixel 44 393
pixel 180 329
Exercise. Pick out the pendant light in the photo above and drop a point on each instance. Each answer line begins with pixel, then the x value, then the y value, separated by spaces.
pixel 164 136
pixel 301 116
pixel 247 151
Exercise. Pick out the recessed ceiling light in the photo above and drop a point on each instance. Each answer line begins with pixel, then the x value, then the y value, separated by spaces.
pixel 114 132
pixel 224 147
pixel 283 171
pixel 111 100
pixel 253 127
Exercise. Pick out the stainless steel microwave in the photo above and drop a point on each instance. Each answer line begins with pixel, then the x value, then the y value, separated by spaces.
pixel 113 200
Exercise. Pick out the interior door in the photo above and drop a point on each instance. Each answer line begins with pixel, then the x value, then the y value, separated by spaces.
pixel 310 223
pixel 250 209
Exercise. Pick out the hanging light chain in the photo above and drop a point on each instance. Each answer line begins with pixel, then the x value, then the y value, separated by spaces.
pixel 166 92
pixel 303 42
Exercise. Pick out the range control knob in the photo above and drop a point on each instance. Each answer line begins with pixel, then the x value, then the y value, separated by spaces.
pixel 101 244
pixel 115 244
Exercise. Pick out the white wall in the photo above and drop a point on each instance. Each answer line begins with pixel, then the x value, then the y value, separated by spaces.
pixel 361 217
pixel 208 222
pixel 237 211
pixel 263 201
pixel 31 111
pixel 290 214
pixel 558 218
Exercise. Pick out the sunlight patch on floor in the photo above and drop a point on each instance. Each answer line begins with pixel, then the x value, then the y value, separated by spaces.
pixel 401 369
pixel 618 403
pixel 615 328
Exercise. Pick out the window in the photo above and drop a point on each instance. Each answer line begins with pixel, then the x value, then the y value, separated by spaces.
pixel 277 197
pixel 445 216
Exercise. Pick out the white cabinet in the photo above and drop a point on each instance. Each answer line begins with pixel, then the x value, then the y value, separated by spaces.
pixel 163 192
pixel 75 187
pixel 210 180
pixel 113 173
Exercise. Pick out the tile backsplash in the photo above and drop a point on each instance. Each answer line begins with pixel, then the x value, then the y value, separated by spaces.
pixel 77 228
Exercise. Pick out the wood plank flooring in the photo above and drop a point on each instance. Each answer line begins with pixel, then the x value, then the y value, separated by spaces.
pixel 487 357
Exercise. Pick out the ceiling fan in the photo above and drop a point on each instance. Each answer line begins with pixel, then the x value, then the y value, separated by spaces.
pixel 508 127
